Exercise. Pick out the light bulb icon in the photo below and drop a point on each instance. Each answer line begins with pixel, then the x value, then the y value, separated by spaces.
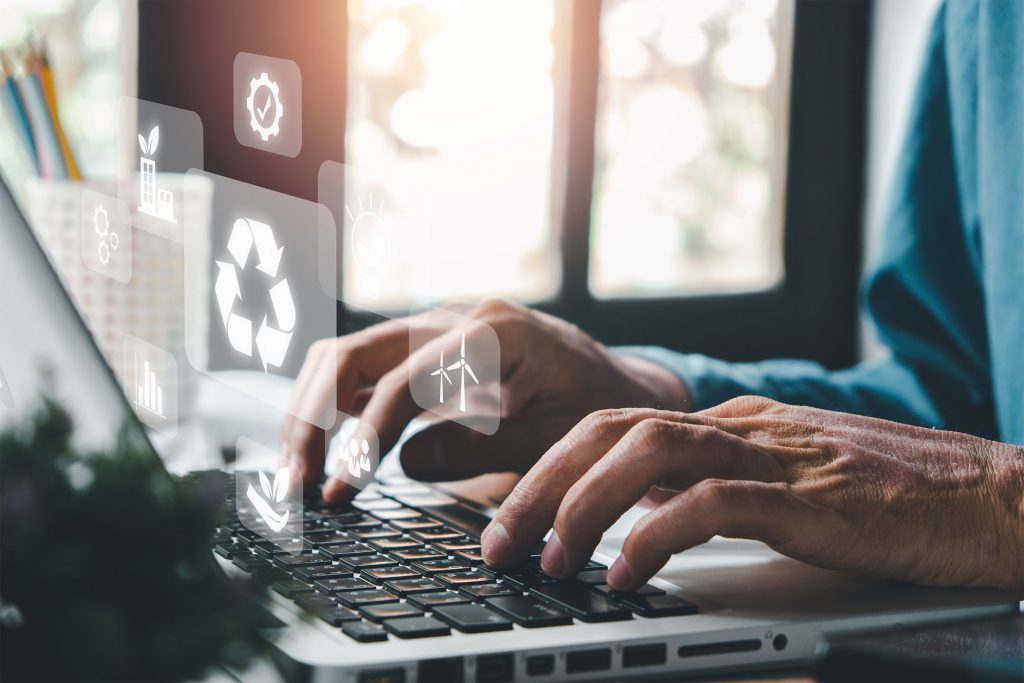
pixel 371 245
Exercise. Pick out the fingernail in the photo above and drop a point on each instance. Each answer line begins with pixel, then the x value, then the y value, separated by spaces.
pixel 619 576
pixel 552 559
pixel 495 543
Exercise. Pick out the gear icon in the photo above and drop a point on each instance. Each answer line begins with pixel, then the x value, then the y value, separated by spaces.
pixel 108 238
pixel 97 215
pixel 265 131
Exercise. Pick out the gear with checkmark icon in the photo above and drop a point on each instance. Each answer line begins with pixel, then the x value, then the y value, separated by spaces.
pixel 257 115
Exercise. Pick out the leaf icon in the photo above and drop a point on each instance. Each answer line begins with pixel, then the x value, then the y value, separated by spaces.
pixel 281 480
pixel 142 144
pixel 154 139
pixel 265 485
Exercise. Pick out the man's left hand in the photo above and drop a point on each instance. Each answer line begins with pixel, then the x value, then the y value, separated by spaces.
pixel 835 490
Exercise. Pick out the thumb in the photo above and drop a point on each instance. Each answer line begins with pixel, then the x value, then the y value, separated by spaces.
pixel 449 451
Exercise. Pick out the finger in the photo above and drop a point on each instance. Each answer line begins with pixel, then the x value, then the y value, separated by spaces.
pixel 392 407
pixel 677 455
pixel 449 451
pixel 528 512
pixel 736 509
pixel 332 383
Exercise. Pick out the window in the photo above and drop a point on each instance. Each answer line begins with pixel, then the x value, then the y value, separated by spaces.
pixel 456 100
pixel 691 134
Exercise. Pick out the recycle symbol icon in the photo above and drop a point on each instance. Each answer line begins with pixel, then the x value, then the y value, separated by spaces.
pixel 271 342
pixel 108 238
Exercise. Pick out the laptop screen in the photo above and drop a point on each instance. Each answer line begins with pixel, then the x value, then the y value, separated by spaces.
pixel 45 348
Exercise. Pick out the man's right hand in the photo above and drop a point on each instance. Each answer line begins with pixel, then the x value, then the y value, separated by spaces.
pixel 552 375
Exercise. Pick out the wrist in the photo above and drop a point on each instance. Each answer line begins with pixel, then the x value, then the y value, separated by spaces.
pixel 663 388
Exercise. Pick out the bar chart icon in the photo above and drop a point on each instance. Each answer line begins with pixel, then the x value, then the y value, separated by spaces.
pixel 149 393
pixel 150 382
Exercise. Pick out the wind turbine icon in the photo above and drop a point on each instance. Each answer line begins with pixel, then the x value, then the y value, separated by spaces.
pixel 443 377
pixel 465 367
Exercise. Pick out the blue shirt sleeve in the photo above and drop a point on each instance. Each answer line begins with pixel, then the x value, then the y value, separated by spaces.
pixel 924 296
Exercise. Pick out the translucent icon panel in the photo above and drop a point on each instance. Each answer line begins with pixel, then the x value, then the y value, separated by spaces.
pixel 161 143
pixel 260 307
pixel 353 454
pixel 455 368
pixel 383 237
pixel 269 502
pixel 106 244
pixel 150 379
pixel 268 103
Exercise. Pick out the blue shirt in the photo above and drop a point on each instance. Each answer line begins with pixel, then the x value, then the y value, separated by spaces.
pixel 947 295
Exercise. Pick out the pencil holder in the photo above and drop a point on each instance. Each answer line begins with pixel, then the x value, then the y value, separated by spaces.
pixel 122 300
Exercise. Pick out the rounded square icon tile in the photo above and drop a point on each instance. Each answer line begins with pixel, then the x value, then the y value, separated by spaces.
pixel 353 454
pixel 106 236
pixel 455 368
pixel 268 497
pixel 150 379
pixel 267 102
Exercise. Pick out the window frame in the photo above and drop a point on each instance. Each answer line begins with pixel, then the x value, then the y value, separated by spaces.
pixel 812 313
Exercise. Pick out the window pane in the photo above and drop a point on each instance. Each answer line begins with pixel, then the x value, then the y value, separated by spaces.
pixel 691 143
pixel 455 100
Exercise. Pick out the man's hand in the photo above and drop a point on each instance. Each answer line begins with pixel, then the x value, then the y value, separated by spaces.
pixel 552 375
pixel 834 490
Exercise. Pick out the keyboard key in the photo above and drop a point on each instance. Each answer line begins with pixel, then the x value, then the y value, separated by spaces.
pixel 488 590
pixel 250 562
pixel 452 547
pixel 646 590
pixel 470 556
pixel 417 627
pixel 381 574
pixel 269 574
pixel 434 535
pixel 431 600
pixel 366 561
pixel 414 555
pixel 331 586
pixel 440 565
pixel 306 558
pixel 247 537
pixel 324 536
pixel 456 579
pixel 593 576
pixel 390 610
pixel 364 631
pixel 289 588
pixel 581 602
pixel 418 523
pixel 340 515
pixel 348 549
pixel 420 584
pixel 365 597
pixel 529 612
pixel 386 544
pixel 232 548
pixel 376 504
pixel 369 534
pixel 355 523
pixel 268 549
pixel 526 578
pixel 472 618
pixel 335 614
pixel 391 515
pixel 330 571
pixel 659 606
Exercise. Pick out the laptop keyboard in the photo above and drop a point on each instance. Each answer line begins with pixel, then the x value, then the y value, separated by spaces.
pixel 398 563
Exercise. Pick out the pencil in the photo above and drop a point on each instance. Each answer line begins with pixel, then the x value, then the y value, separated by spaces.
pixel 50 160
pixel 46 74
pixel 13 103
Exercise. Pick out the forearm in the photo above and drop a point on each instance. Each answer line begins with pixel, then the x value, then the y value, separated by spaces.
pixel 1008 505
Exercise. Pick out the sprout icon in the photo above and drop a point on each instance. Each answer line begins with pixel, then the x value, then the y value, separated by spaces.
pixel 276 493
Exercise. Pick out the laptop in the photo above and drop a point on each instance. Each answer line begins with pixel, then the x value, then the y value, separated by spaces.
pixel 395 582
